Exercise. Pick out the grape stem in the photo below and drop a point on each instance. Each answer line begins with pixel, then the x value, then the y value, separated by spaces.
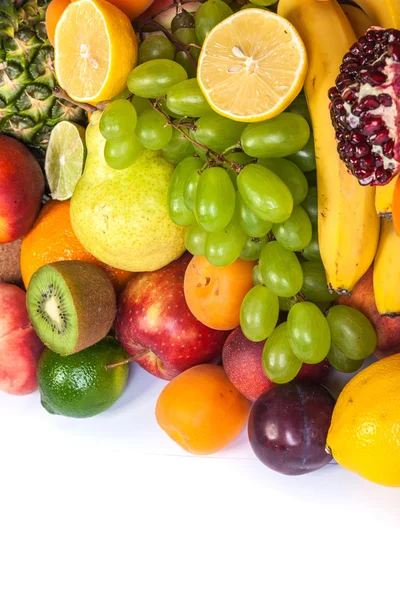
pixel 155 26
pixel 62 95
pixel 212 157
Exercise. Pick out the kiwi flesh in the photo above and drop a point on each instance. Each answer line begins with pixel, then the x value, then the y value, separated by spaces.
pixel 71 305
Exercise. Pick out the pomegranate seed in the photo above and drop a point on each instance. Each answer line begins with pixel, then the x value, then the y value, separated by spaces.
pixel 339 135
pixel 369 103
pixel 385 100
pixel 349 57
pixel 383 175
pixel 367 162
pixel 333 93
pixel 369 48
pixel 361 149
pixel 370 124
pixel 370 35
pixel 356 137
pixel 356 110
pixel 388 149
pixel 378 160
pixel 394 50
pixel 377 78
pixel 349 96
pixel 381 137
pixel 353 160
pixel 362 41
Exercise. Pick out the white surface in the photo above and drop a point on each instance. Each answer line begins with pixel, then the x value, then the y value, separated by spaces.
pixel 110 508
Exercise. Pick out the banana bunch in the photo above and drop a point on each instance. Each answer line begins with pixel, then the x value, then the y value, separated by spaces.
pixel 348 225
pixel 359 20
pixel 387 271
pixel 385 13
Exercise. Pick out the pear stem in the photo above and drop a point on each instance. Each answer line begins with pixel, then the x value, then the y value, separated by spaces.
pixel 126 361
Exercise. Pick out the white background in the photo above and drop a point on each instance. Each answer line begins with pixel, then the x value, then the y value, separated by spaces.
pixel 110 508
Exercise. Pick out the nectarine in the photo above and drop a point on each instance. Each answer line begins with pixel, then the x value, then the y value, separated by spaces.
pixel 20 347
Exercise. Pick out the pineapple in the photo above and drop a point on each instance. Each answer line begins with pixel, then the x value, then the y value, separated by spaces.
pixel 28 108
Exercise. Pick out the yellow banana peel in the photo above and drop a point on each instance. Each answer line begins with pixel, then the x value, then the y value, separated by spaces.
pixel 348 226
pixel 359 20
pixel 385 13
pixel 387 271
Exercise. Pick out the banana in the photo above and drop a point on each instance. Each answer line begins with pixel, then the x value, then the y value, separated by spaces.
pixel 385 13
pixel 348 226
pixel 387 271
pixel 384 198
pixel 359 20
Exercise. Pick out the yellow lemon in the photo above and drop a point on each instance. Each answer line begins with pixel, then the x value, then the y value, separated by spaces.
pixel 252 65
pixel 95 49
pixel 364 436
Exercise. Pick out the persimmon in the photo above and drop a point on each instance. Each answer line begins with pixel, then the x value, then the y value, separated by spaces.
pixel 201 410
pixel 215 294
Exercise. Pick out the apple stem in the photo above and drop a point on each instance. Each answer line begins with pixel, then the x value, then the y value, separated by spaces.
pixel 126 361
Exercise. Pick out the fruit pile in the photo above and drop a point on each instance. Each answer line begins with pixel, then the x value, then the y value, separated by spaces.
pixel 217 222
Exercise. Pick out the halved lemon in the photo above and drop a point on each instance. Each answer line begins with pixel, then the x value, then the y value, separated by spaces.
pixel 252 65
pixel 95 50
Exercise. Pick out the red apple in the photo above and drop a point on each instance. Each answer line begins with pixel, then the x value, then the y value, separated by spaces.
pixel 387 328
pixel 242 360
pixel 21 189
pixel 154 319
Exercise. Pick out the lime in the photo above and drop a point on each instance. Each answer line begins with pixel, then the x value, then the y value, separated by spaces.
pixel 65 158
pixel 79 385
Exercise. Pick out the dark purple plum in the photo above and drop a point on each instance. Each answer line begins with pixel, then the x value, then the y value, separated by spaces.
pixel 288 426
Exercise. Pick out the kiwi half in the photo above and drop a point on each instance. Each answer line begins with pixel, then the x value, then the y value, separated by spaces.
pixel 71 305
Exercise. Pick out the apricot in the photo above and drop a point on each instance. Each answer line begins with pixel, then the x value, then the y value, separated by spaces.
pixel 214 294
pixel 201 410
pixel 20 347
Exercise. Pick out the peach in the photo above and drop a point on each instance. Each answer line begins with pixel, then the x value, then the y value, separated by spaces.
pixel 20 347
pixel 21 189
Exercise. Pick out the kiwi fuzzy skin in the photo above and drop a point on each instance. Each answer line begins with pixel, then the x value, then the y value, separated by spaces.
pixel 94 300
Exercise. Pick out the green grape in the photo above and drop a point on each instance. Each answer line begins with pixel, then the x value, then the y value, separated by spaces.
pixel 239 158
pixel 186 62
pixel 122 154
pixel 118 121
pixel 125 94
pixel 190 188
pixel 200 151
pixel 187 99
pixel 295 233
pixel 224 247
pixel 305 157
pixel 140 104
pixel 311 178
pixel 311 252
pixel 290 174
pixel 259 313
pixel 341 362
pixel 308 332
pixel 195 240
pixel 178 148
pixel 352 332
pixel 182 19
pixel 162 104
pixel 286 304
pixel 299 107
pixel 178 211
pixel 265 193
pixel 156 46
pixel 208 16
pixel 310 205
pixel 215 200
pixel 187 35
pixel 257 280
pixel 153 79
pixel 263 3
pixel 277 137
pixel 216 132
pixel 252 248
pixel 250 222
pixel 153 130
pixel 280 270
pixel 280 363
pixel 315 287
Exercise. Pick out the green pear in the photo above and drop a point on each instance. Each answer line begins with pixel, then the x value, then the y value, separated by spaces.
pixel 121 216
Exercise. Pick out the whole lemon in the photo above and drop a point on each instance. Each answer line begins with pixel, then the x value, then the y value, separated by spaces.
pixel 364 436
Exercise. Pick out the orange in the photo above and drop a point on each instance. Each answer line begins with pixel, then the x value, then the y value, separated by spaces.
pixel 201 410
pixel 52 240
pixel 95 50
pixel 215 294
pixel 134 8
pixel 252 65
pixel 53 14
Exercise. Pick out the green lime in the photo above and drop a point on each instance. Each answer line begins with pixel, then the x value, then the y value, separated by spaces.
pixel 79 385
pixel 65 157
